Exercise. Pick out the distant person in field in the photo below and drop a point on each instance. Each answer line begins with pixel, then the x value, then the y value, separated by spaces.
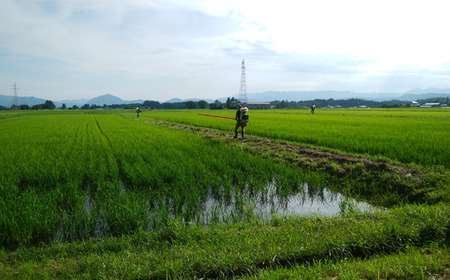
pixel 313 108
pixel 138 111
pixel 241 120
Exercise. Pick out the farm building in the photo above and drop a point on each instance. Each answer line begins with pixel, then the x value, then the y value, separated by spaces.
pixel 431 105
pixel 258 105
pixel 415 104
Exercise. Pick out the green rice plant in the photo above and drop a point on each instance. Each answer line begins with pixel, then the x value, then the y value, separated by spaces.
pixel 412 135
pixel 107 196
pixel 100 175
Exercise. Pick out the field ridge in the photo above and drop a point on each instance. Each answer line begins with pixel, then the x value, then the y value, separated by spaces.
pixel 311 154
pixel 417 183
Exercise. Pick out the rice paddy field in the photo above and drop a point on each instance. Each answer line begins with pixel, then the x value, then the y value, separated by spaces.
pixel 340 194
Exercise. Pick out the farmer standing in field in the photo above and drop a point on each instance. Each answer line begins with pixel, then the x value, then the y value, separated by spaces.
pixel 313 108
pixel 138 110
pixel 241 120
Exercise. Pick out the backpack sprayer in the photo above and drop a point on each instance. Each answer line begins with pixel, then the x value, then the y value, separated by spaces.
pixel 241 118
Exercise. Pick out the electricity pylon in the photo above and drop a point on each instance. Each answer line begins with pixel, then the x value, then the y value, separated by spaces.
pixel 15 105
pixel 243 91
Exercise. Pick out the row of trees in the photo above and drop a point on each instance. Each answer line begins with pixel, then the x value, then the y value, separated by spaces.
pixel 47 105
pixel 354 102
pixel 150 104
pixel 147 104
pixel 232 102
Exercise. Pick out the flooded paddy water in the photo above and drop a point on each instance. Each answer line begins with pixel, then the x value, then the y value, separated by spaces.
pixel 223 206
pixel 309 201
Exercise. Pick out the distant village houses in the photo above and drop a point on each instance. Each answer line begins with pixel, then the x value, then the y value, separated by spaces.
pixel 429 105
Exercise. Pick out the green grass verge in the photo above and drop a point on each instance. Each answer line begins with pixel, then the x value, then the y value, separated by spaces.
pixel 319 245
pixel 432 262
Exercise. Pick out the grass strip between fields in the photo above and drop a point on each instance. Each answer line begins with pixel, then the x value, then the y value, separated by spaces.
pixel 188 251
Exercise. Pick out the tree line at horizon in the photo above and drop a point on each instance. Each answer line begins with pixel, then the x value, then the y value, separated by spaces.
pixel 231 103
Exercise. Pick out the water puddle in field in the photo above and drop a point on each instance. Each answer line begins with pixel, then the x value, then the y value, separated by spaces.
pixel 309 201
pixel 217 206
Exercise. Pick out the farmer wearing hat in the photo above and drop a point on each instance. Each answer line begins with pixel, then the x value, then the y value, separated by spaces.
pixel 241 120
pixel 138 111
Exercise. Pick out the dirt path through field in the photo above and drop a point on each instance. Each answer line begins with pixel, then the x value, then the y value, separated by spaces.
pixel 299 155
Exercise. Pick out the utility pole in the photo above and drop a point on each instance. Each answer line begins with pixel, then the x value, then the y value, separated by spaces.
pixel 15 105
pixel 243 91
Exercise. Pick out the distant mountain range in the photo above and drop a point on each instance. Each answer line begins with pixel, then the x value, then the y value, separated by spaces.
pixel 7 101
pixel 267 96
pixel 107 99
pixel 376 96
pixel 177 100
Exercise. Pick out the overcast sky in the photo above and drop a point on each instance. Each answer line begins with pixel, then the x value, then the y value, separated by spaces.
pixel 162 49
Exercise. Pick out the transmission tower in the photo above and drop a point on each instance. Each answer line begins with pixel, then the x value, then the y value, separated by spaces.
pixel 15 105
pixel 243 91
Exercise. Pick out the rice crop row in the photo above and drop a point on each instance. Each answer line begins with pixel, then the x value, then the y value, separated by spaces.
pixel 413 135
pixel 71 176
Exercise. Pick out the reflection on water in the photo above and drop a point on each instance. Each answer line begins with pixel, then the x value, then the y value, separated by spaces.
pixel 308 201
pixel 98 218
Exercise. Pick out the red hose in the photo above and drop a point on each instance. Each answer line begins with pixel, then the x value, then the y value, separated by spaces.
pixel 230 118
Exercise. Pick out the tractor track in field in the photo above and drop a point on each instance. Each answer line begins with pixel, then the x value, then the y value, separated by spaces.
pixel 338 163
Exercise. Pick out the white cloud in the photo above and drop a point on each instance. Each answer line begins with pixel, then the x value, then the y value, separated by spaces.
pixel 392 32
pixel 183 48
